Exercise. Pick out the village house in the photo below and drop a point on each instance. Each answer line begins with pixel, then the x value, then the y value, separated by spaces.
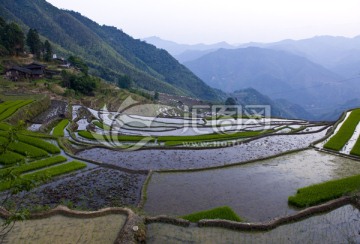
pixel 30 71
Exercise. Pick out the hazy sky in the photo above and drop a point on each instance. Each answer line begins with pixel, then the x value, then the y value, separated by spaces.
pixel 233 21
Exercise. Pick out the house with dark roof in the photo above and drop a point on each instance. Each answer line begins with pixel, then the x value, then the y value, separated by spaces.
pixel 30 71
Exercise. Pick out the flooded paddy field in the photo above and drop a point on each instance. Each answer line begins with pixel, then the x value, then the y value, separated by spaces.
pixel 338 226
pixel 256 191
pixel 157 159
pixel 94 189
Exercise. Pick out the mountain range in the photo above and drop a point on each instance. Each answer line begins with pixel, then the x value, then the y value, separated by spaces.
pixel 107 50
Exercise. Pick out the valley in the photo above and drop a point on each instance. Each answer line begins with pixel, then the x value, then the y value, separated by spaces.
pixel 106 138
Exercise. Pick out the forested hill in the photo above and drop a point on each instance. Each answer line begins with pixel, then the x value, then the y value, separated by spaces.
pixel 107 50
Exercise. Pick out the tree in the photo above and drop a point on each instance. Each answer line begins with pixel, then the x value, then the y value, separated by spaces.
pixel 13 39
pixel 156 96
pixel 124 81
pixel 230 101
pixel 47 51
pixel 79 63
pixel 33 42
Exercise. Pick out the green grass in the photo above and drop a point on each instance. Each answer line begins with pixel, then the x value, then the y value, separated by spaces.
pixel 47 146
pixel 57 170
pixel 177 140
pixel 356 148
pixel 5 126
pixel 225 213
pixel 9 158
pixel 101 125
pixel 34 165
pixel 59 128
pixel 9 111
pixel 319 193
pixel 94 136
pixel 49 172
pixel 215 136
pixel 338 141
pixel 27 150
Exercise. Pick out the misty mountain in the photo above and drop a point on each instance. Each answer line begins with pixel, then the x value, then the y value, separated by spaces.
pixel 107 50
pixel 338 54
pixel 176 49
pixel 277 74
pixel 279 108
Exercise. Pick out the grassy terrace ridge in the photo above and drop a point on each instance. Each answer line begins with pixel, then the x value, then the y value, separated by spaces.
pixel 12 109
pixel 27 150
pixel 59 128
pixel 101 125
pixel 34 165
pixel 356 148
pixel 5 126
pixel 319 193
pixel 9 158
pixel 47 146
pixel 338 141
pixel 224 212
pixel 49 172
pixel 178 139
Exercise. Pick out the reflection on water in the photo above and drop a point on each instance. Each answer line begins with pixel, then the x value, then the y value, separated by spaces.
pixel 256 191
pixel 339 226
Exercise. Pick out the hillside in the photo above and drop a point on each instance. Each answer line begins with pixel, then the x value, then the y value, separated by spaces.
pixel 107 50
pixel 279 108
pixel 277 74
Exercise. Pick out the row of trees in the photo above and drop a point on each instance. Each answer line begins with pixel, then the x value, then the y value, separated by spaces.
pixel 12 41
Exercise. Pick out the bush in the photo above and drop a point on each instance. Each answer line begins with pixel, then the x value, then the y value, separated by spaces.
pixel 217 213
pixel 319 193
pixel 50 148
pixel 59 128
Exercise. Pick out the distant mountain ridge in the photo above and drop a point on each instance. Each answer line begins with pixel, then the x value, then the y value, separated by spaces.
pixel 108 51
pixel 278 108
pixel 278 74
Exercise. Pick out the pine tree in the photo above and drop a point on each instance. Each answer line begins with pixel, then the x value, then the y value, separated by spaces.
pixel 47 51
pixel 13 39
pixel 34 43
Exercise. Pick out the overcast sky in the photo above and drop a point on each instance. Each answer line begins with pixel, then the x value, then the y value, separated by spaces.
pixel 233 21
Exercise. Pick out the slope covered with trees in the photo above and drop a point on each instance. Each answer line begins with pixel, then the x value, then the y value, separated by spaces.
pixel 109 52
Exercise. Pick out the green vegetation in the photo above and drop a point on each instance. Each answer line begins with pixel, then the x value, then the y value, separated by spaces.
pixel 217 213
pixel 175 140
pixel 33 165
pixel 84 83
pixel 6 110
pixel 94 136
pixel 47 146
pixel 101 125
pixel 27 150
pixel 338 141
pixel 48 172
pixel 57 170
pixel 215 136
pixel 356 148
pixel 11 38
pixel 108 51
pixel 59 128
pixel 319 193
pixel 9 158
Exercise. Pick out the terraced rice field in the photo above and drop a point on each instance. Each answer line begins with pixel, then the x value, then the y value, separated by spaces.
pixel 346 136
